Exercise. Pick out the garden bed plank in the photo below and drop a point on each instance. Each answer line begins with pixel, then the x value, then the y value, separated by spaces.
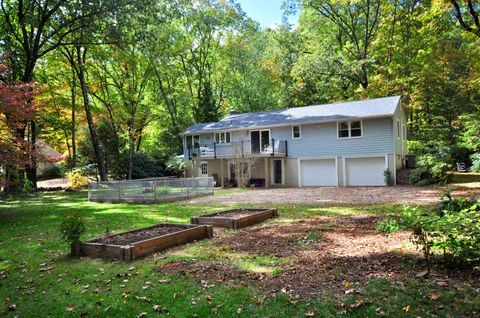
pixel 221 219
pixel 131 251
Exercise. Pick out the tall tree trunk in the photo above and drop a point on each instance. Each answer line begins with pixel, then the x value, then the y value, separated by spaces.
pixel 139 139
pixel 91 127
pixel 74 143
pixel 131 142
pixel 31 168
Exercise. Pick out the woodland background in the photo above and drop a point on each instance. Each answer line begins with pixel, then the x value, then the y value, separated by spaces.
pixel 115 82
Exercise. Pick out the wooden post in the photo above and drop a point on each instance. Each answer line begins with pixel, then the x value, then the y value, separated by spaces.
pixel 266 171
pixel 75 249
pixel 222 177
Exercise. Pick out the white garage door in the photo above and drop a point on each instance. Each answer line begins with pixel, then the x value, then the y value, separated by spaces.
pixel 319 172
pixel 365 171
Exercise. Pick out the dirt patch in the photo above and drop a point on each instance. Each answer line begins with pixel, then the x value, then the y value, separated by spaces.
pixel 132 237
pixel 53 183
pixel 326 254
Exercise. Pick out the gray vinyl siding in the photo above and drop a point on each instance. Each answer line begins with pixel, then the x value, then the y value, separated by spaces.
pixel 400 143
pixel 320 140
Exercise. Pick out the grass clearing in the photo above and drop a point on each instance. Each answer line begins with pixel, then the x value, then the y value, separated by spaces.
pixel 465 177
pixel 41 280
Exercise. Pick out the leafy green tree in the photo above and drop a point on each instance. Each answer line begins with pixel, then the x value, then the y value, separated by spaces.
pixel 466 13
pixel 353 28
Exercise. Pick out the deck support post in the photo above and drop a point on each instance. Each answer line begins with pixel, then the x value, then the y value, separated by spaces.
pixel 266 171
pixel 222 176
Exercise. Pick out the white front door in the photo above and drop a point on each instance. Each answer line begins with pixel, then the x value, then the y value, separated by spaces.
pixel 203 169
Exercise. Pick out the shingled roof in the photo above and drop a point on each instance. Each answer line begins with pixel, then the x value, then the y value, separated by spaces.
pixel 371 108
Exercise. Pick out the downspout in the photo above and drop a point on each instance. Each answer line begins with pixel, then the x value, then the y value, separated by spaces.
pixel 394 139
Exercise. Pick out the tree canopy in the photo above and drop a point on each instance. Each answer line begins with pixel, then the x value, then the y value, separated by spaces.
pixel 119 80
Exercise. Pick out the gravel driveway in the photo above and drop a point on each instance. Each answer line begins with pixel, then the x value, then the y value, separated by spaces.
pixel 333 195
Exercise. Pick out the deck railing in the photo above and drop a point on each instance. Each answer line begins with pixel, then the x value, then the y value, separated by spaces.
pixel 276 147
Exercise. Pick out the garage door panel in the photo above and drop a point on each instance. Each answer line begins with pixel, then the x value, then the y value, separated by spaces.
pixel 365 171
pixel 320 172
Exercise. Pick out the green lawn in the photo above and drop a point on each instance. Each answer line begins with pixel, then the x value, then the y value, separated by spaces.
pixel 39 279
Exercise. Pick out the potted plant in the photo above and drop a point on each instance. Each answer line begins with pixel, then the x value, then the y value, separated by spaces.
pixel 72 228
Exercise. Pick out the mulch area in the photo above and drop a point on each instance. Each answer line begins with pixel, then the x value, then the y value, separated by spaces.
pixel 214 272
pixel 346 252
pixel 131 237
pixel 327 254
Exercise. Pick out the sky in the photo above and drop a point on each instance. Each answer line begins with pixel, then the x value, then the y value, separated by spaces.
pixel 267 12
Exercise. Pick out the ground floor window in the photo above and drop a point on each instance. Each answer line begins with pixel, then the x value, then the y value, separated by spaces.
pixel 204 167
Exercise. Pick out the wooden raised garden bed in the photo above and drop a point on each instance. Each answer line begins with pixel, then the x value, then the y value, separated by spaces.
pixel 131 245
pixel 235 219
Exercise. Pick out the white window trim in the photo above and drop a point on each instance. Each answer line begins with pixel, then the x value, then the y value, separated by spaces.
pixel 350 129
pixel 224 137
pixel 299 130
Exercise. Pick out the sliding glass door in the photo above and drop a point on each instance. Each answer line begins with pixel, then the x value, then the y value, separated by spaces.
pixel 260 141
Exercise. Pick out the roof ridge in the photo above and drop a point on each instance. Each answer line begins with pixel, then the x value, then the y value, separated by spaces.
pixel 306 106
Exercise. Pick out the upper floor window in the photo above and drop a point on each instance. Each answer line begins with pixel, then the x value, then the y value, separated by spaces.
pixel 350 129
pixel 296 132
pixel 222 137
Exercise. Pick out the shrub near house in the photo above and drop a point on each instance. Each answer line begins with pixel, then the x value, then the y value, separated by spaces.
pixel 430 170
pixel 475 162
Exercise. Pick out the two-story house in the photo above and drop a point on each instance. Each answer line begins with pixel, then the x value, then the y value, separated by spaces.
pixel 340 144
